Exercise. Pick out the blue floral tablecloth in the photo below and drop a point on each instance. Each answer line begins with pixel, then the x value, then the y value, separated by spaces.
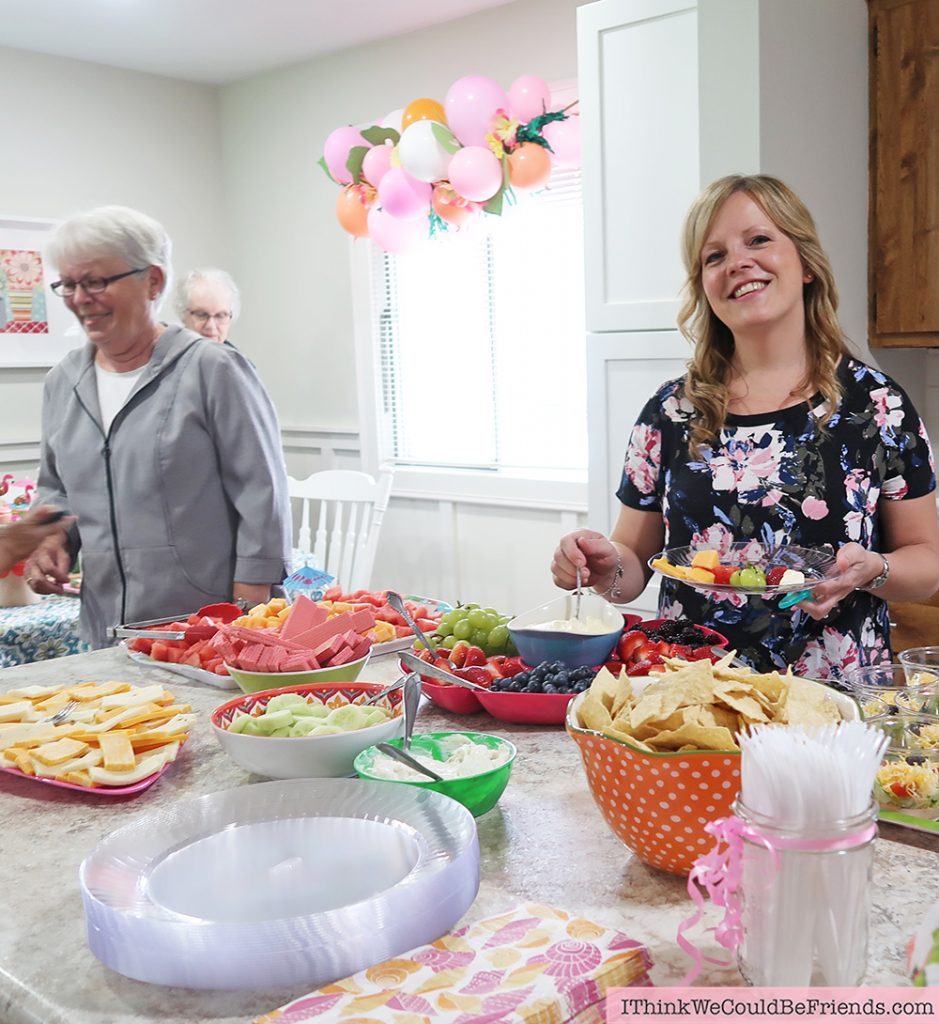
pixel 36 632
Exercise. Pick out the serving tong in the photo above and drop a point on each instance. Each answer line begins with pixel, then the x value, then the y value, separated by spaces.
pixel 191 634
pixel 426 669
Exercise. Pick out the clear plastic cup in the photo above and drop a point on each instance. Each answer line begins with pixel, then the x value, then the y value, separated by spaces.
pixel 878 688
pixel 908 778
pixel 921 665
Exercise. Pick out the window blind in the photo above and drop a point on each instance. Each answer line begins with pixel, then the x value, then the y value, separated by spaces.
pixel 480 338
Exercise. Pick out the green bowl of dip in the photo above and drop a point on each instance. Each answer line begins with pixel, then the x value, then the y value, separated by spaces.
pixel 446 752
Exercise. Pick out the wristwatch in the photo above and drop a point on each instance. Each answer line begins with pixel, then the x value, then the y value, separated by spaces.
pixel 878 581
pixel 243 603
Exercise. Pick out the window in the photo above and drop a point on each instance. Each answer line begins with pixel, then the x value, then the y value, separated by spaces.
pixel 479 341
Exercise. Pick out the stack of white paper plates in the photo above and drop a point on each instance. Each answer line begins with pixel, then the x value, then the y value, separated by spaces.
pixel 280 883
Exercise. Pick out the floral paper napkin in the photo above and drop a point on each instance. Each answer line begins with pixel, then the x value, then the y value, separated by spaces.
pixel 535 964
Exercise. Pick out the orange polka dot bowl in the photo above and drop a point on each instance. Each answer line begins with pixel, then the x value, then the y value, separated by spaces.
pixel 657 804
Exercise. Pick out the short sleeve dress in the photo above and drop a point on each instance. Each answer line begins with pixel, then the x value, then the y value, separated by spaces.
pixel 777 478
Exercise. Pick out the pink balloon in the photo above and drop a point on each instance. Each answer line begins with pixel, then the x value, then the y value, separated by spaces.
pixel 403 196
pixel 393 234
pixel 336 151
pixel 470 105
pixel 529 96
pixel 376 163
pixel 564 139
pixel 475 173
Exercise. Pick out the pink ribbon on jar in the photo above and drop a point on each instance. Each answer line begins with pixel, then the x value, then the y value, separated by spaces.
pixel 719 873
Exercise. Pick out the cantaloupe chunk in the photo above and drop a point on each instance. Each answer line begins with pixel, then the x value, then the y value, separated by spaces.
pixel 706 560
pixel 700 575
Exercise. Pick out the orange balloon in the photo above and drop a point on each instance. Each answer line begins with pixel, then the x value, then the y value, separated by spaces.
pixel 352 213
pixel 422 110
pixel 529 165
pixel 453 213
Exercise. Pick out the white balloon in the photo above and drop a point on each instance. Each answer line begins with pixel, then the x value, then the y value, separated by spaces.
pixel 420 153
pixel 393 120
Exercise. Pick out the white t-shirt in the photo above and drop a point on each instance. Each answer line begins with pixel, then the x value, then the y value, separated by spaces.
pixel 113 391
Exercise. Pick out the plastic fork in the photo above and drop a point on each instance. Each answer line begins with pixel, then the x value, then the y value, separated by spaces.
pixel 62 713
pixel 577 592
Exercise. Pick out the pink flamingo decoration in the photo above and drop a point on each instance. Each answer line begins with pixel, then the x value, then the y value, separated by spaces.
pixel 5 483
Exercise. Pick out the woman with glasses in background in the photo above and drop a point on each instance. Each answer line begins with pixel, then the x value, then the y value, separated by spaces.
pixel 166 449
pixel 208 301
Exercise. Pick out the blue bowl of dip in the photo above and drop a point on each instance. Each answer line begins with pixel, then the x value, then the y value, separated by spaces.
pixel 573 648
pixel 477 793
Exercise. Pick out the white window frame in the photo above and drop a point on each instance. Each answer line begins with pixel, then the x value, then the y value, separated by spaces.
pixel 542 489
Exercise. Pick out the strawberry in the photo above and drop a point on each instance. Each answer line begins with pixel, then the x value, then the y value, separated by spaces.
pixel 680 651
pixel 640 667
pixel 512 666
pixel 475 674
pixel 494 666
pixel 458 654
pixel 630 642
pixel 722 573
pixel 774 575
pixel 702 654
pixel 474 656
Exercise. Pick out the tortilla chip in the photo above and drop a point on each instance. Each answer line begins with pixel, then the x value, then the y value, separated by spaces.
pixel 594 713
pixel 695 737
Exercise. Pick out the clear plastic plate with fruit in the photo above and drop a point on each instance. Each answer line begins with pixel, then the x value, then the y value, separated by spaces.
pixel 747 567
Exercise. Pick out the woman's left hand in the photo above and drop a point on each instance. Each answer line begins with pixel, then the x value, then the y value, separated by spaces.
pixel 857 566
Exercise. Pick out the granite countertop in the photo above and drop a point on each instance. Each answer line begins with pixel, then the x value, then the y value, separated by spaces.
pixel 545 841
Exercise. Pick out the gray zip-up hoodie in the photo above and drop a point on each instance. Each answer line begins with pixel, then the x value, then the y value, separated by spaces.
pixel 187 491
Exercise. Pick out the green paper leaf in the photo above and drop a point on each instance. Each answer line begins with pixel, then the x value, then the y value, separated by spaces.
pixel 494 206
pixel 445 137
pixel 322 163
pixel 378 136
pixel 354 162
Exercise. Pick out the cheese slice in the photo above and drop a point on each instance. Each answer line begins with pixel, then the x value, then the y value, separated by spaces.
pixel 57 771
pixel 59 751
pixel 117 750
pixel 147 766
pixel 141 695
pixel 15 712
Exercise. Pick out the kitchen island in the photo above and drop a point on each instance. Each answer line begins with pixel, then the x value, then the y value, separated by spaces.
pixel 545 841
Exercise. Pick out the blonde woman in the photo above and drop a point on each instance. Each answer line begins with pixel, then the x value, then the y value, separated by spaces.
pixel 775 433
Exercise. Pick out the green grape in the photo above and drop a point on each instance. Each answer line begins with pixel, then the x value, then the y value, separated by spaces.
pixel 450 619
pixel 463 630
pixel 480 636
pixel 491 611
pixel 478 619
pixel 498 636
pixel 470 607
pixel 510 649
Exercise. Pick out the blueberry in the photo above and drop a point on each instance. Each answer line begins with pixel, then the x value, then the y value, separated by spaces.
pixel 562 679
pixel 915 758
pixel 550 688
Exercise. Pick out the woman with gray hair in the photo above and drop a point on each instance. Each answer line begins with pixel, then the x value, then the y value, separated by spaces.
pixel 166 449
pixel 208 301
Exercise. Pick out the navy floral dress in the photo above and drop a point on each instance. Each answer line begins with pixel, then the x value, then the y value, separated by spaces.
pixel 776 479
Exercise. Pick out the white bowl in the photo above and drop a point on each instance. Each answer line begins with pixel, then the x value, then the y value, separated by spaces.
pixel 305 757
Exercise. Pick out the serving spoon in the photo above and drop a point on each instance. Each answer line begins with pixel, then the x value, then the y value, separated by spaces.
pixel 425 669
pixel 411 762
pixel 398 604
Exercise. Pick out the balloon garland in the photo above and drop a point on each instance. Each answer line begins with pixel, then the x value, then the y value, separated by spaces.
pixel 431 167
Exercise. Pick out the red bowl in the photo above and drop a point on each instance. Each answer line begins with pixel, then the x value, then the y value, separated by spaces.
pixel 452 698
pixel 630 621
pixel 526 708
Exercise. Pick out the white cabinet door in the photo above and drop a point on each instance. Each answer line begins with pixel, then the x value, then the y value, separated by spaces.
pixel 623 372
pixel 638 79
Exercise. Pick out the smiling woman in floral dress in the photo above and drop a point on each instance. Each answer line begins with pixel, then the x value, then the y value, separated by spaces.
pixel 778 434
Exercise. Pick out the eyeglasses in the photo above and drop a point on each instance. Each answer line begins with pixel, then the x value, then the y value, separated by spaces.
pixel 92 285
pixel 203 318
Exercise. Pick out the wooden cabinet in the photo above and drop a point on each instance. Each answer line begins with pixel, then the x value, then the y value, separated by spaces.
pixel 903 268
pixel 914 625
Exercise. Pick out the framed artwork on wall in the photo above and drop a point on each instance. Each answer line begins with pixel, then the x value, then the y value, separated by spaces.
pixel 35 327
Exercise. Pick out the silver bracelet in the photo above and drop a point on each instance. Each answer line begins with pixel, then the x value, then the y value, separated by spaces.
pixel 880 579
pixel 613 592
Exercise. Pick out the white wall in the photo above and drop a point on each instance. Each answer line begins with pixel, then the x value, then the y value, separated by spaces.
pixel 76 135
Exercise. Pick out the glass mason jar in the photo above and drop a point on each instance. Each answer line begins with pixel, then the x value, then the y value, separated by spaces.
pixel 806 911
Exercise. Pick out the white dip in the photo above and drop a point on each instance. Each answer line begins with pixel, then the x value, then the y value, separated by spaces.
pixel 589 626
pixel 463 758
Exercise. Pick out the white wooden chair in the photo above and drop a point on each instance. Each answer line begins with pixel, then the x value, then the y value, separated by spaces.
pixel 350 508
